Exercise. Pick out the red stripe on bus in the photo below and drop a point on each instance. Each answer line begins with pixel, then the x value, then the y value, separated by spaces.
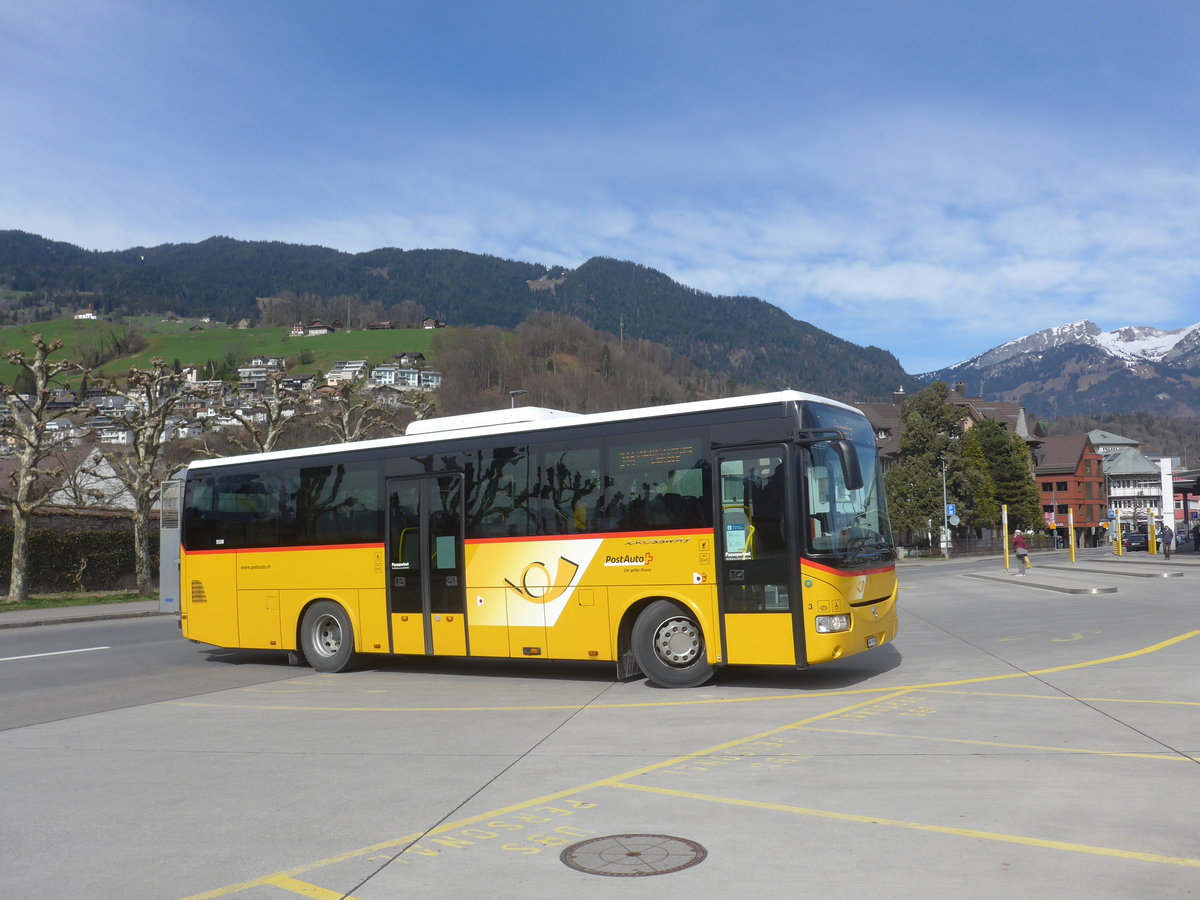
pixel 847 572
pixel 284 549
pixel 602 535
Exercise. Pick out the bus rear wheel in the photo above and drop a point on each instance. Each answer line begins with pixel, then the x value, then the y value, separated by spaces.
pixel 669 646
pixel 327 637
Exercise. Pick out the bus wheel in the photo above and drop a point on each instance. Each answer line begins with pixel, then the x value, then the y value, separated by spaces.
pixel 327 637
pixel 669 646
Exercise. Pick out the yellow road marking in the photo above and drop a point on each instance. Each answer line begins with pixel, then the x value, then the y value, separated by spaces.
pixel 304 889
pixel 618 780
pixel 1068 697
pixel 919 826
pixel 1173 757
pixel 396 843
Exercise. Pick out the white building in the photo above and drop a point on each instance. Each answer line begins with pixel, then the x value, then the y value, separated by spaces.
pixel 346 370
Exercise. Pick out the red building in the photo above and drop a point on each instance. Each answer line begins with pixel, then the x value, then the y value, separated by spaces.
pixel 1070 474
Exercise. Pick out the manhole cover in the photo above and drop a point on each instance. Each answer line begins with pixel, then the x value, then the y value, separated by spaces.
pixel 633 854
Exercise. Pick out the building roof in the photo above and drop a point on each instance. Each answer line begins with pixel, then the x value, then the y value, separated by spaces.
pixel 1101 438
pixel 1061 453
pixel 1128 461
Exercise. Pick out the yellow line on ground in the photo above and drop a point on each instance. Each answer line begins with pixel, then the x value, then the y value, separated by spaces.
pixel 919 826
pixel 1066 698
pixel 614 780
pixel 1133 654
pixel 304 889
pixel 1172 757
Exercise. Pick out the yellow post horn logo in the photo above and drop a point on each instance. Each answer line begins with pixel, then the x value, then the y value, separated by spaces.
pixel 539 586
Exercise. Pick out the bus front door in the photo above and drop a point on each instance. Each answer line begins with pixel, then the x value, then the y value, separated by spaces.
pixel 426 591
pixel 756 577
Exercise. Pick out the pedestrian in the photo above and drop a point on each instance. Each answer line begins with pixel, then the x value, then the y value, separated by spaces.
pixel 1166 537
pixel 1196 538
pixel 1021 549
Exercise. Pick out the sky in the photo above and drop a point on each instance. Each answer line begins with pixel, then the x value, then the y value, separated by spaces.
pixel 933 178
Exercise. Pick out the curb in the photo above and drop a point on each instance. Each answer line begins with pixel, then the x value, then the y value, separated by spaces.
pixel 86 617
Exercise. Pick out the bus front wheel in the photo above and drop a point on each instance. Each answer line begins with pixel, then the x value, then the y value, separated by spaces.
pixel 669 646
pixel 327 637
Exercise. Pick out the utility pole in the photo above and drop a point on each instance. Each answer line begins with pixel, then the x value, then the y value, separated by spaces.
pixel 945 513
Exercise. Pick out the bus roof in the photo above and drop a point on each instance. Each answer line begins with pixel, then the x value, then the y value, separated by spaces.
pixel 519 421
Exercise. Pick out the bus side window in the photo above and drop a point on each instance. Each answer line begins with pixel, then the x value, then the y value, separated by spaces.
pixel 567 496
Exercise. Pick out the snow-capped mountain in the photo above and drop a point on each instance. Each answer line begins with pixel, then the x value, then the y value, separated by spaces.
pixel 1133 344
pixel 1080 368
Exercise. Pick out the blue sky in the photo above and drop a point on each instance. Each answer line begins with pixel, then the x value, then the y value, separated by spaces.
pixel 933 178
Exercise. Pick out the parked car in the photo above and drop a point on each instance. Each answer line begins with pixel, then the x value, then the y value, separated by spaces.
pixel 1135 540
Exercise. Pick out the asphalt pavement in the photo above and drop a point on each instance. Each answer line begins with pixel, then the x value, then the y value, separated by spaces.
pixel 1021 737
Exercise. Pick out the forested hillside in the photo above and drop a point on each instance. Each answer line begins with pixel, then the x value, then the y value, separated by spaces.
pixel 740 338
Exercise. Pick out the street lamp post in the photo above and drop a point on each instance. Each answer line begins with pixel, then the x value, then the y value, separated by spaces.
pixel 945 513
pixel 512 398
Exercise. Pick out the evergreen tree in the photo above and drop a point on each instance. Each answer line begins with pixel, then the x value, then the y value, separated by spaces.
pixel 914 485
pixel 1011 471
pixel 982 510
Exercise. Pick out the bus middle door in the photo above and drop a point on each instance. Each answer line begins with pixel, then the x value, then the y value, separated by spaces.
pixel 755 567
pixel 426 591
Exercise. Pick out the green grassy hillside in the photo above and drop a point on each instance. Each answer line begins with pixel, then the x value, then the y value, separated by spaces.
pixel 173 341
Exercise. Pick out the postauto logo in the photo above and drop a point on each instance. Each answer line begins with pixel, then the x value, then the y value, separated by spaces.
pixel 538 585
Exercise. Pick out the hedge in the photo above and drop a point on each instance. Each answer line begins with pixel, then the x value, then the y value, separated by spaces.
pixel 55 558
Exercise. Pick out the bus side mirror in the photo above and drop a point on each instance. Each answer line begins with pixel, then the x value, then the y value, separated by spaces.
pixel 847 454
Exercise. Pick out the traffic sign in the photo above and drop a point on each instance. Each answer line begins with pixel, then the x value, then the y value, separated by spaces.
pixel 950 509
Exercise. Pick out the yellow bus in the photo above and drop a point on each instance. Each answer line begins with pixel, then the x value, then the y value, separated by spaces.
pixel 670 541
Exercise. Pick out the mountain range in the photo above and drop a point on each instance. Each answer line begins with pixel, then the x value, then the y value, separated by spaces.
pixel 1080 369
pixel 749 342
pixel 1074 369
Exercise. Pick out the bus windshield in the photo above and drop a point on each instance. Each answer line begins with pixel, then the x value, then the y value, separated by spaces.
pixel 844 527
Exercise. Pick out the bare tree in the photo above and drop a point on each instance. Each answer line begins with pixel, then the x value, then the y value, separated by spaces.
pixel 265 421
pixel 416 404
pixel 150 396
pixel 350 416
pixel 26 426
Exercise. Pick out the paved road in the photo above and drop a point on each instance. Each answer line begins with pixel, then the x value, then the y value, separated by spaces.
pixel 83 668
pixel 1022 737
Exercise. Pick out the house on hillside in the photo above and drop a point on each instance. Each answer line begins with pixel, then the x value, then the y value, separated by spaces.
pixel 430 322
pixel 317 327
pixel 257 368
pixel 380 326
pixel 346 370
pixel 1070 475
pixel 89 313
pixel 383 375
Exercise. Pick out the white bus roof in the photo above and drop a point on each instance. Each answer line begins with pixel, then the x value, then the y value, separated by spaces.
pixel 518 421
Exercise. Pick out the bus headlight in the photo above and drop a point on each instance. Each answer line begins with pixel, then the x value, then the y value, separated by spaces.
pixel 830 624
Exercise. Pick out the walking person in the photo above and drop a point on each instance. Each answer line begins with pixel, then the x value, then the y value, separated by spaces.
pixel 1166 537
pixel 1021 549
pixel 1196 538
